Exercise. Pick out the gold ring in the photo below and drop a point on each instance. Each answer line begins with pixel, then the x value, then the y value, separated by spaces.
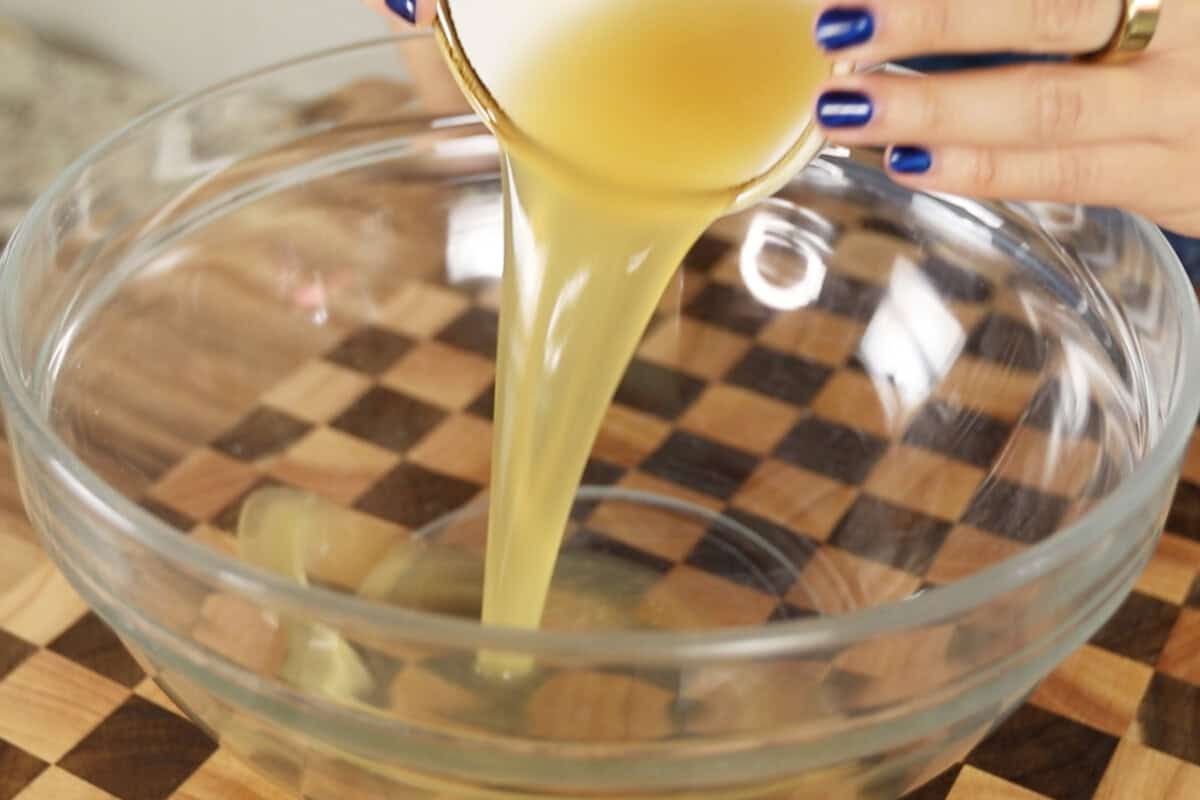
pixel 1139 21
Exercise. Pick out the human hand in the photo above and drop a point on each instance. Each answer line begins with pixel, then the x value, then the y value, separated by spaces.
pixel 405 12
pixel 1109 134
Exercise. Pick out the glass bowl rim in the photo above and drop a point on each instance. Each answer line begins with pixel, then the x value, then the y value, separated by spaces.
pixel 223 573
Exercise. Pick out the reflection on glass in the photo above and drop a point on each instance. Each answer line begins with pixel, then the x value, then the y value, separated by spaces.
pixel 779 266
pixel 912 341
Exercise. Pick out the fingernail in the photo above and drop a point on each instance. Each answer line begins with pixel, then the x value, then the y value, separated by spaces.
pixel 405 8
pixel 839 28
pixel 843 109
pixel 910 160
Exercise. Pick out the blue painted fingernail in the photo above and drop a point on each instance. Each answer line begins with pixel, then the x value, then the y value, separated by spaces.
pixel 910 160
pixel 843 109
pixel 405 8
pixel 839 28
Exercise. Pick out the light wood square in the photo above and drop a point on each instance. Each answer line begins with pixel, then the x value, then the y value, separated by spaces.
pixel 1097 688
pixel 974 784
pixel 1138 773
pixel 968 550
pixel 924 481
pixel 48 704
pixel 461 446
pixel 835 582
pixel 740 418
pixel 441 375
pixel 660 532
pixel 814 335
pixel 1180 656
pixel 854 400
pixel 58 784
pixel 691 599
pixel 627 437
pixel 422 309
pixel 317 392
pixel 1052 464
pixel 586 706
pixel 694 347
pixel 41 606
pixel 333 464
pixel 978 384
pixel 795 498
pixel 204 484
pixel 223 776
pixel 1171 570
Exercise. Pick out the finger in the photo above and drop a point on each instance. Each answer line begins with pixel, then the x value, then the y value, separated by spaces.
pixel 419 12
pixel 1014 106
pixel 1102 174
pixel 879 30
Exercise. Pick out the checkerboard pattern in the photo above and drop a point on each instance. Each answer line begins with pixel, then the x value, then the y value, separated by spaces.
pixel 819 429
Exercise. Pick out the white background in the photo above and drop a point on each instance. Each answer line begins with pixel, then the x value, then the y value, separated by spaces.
pixel 189 44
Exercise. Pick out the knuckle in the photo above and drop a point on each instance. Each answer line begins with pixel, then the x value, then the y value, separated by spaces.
pixel 1059 107
pixel 928 21
pixel 928 109
pixel 1059 22
pixel 981 172
pixel 1072 175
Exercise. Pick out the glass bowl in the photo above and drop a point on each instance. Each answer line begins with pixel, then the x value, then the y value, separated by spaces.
pixel 882 461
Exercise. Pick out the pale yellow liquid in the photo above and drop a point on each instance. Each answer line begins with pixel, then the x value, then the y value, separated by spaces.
pixel 625 140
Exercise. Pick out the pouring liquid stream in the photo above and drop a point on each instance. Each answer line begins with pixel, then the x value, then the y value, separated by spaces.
pixel 623 138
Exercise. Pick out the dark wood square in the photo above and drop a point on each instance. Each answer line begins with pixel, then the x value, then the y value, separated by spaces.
pixel 938 788
pixel 1046 753
pixel 595 473
pixel 899 537
pixel 1004 340
pixel 586 540
pixel 18 769
pixel 663 392
pixel 91 643
pixel 371 350
pixel 883 227
pixel 706 253
pixel 484 406
pixel 784 377
pixel 956 283
pixel 729 307
pixel 964 434
pixel 1169 717
pixel 1184 518
pixel 789 612
pixel 389 419
pixel 1191 601
pixel 13 651
pixel 172 517
pixel 1014 511
pixel 1140 628
pixel 833 450
pixel 1048 408
pixel 700 464
pixel 414 496
pixel 264 432
pixel 477 329
pixel 849 297
pixel 140 752
pixel 735 559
